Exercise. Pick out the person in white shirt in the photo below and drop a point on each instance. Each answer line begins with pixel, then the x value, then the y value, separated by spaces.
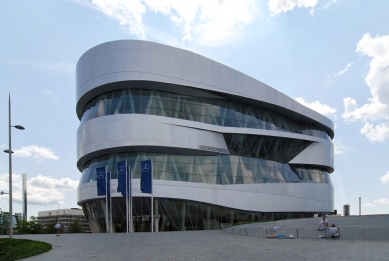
pixel 57 227
pixel 334 231
pixel 323 224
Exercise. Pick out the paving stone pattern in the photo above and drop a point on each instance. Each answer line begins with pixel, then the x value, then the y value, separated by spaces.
pixel 204 245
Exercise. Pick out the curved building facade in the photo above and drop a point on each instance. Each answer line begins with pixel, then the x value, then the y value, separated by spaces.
pixel 226 148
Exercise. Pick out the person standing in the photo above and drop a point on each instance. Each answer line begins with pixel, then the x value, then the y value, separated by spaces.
pixel 57 227
pixel 323 224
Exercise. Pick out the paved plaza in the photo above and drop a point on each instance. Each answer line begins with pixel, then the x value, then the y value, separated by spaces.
pixel 204 245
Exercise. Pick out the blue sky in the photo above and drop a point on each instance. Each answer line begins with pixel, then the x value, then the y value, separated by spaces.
pixel 331 55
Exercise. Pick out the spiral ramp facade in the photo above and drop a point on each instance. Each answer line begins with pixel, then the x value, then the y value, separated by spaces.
pixel 226 148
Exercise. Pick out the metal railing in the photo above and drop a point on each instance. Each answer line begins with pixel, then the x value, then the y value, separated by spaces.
pixel 377 233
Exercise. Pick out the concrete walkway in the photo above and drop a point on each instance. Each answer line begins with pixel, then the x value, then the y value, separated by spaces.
pixel 204 245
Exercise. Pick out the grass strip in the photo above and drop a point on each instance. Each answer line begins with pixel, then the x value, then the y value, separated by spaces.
pixel 15 249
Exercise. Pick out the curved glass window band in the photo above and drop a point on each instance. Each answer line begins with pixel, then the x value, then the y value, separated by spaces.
pixel 179 215
pixel 216 111
pixel 223 169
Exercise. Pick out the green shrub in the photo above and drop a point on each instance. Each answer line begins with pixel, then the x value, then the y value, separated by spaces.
pixel 31 227
pixel 75 227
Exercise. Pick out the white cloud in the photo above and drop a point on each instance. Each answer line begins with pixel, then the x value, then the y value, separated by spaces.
pixel 278 6
pixel 376 133
pixel 371 111
pixel 368 204
pixel 40 190
pixel 377 107
pixel 317 106
pixel 378 77
pixel 50 183
pixel 345 69
pixel 129 13
pixel 338 147
pixel 329 3
pixel 36 151
pixel 385 178
pixel 341 72
pixel 382 201
pixel 212 23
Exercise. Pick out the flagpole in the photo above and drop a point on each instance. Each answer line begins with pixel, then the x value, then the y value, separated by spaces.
pixel 106 200
pixel 110 202
pixel 127 198
pixel 152 199
pixel 130 191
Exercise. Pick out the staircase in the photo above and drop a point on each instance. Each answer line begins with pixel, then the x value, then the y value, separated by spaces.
pixel 351 228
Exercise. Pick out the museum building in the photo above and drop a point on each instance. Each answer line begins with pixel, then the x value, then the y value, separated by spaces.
pixel 226 148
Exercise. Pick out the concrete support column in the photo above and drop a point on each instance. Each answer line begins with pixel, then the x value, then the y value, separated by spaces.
pixel 132 224
pixel 231 219
pixel 156 215
pixel 95 226
pixel 183 228
pixel 208 219
pixel 103 206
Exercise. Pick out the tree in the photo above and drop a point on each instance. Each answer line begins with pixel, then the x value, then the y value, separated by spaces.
pixel 4 223
pixel 35 226
pixel 49 228
pixel 75 227
pixel 31 227
pixel 22 227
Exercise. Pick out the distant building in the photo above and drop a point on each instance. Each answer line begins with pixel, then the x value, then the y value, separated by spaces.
pixel 4 229
pixel 65 217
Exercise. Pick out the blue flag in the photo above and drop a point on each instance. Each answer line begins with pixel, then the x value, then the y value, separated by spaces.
pixel 122 175
pixel 146 170
pixel 102 180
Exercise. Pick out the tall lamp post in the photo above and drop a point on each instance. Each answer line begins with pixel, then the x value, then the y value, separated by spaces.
pixel 9 151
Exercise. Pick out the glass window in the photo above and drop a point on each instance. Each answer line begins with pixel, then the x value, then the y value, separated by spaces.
pixel 114 104
pixel 221 112
pixel 145 102
pixel 135 99
pixel 226 169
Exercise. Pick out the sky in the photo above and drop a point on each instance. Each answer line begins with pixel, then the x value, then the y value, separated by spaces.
pixel 330 55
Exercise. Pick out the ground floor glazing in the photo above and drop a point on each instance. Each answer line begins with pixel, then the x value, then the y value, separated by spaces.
pixel 173 215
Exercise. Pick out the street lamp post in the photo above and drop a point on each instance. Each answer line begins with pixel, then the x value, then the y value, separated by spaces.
pixel 9 151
